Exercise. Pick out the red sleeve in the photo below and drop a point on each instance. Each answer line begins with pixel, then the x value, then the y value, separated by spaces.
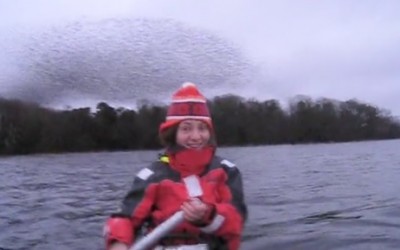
pixel 135 209
pixel 119 229
pixel 231 213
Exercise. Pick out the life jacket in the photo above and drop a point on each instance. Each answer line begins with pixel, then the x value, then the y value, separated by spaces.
pixel 158 192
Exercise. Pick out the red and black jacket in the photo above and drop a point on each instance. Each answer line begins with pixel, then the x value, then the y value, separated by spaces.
pixel 158 192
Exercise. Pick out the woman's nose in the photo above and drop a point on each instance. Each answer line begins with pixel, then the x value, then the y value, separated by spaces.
pixel 195 135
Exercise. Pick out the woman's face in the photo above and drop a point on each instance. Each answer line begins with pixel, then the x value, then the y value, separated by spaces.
pixel 192 134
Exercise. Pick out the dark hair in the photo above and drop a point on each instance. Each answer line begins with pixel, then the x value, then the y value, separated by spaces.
pixel 168 137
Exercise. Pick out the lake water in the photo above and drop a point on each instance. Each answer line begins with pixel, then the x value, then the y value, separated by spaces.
pixel 317 196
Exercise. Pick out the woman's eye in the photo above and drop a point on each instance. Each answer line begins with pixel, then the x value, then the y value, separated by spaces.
pixel 186 129
pixel 202 128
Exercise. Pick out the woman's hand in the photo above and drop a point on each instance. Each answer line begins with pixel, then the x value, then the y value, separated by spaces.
pixel 118 246
pixel 195 210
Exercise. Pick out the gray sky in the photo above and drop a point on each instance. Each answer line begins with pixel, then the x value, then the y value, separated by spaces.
pixel 335 49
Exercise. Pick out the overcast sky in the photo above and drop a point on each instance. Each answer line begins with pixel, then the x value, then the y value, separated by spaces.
pixel 335 49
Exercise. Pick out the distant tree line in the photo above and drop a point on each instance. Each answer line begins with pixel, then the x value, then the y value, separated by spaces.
pixel 29 128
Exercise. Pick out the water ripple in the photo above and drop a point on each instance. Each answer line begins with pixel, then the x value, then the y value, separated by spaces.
pixel 336 196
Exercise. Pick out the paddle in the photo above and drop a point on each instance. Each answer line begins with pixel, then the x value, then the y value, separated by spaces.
pixel 163 229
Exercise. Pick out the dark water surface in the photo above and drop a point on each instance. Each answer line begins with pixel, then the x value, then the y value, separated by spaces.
pixel 325 196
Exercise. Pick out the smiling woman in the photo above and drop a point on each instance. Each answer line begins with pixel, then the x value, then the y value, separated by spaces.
pixel 193 134
pixel 188 177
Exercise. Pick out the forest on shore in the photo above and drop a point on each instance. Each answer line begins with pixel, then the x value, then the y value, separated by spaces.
pixel 27 128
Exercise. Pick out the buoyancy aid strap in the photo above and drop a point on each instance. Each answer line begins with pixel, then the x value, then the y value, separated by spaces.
pixel 193 187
